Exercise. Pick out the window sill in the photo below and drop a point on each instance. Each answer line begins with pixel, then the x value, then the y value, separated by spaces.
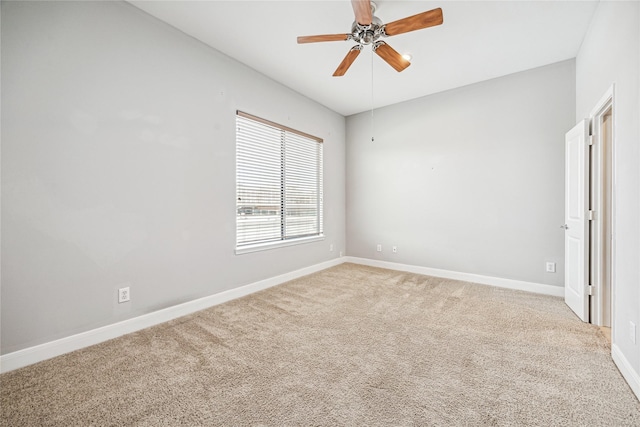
pixel 279 244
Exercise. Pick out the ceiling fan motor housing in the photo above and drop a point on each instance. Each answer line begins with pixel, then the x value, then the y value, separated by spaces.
pixel 367 34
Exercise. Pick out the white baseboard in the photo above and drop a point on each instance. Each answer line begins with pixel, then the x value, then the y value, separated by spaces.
pixel 520 285
pixel 627 371
pixel 28 356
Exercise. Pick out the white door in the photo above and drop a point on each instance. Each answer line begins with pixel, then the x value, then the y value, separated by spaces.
pixel 576 207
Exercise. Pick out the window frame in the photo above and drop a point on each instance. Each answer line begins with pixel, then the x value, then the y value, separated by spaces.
pixel 283 241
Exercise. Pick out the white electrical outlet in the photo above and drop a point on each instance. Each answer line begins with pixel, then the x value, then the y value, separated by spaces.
pixel 395 249
pixel 551 267
pixel 331 247
pixel 379 248
pixel 632 332
pixel 124 295
pixel 340 254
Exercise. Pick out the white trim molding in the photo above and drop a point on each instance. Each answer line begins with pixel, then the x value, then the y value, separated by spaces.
pixel 520 285
pixel 627 371
pixel 38 353
pixel 603 168
pixel 279 244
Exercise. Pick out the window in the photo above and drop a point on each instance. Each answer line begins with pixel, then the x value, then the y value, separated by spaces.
pixel 278 185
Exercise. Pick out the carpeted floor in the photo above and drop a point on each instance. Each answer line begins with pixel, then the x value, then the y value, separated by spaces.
pixel 351 345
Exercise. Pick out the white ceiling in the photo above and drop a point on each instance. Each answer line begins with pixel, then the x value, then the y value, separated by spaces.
pixel 479 40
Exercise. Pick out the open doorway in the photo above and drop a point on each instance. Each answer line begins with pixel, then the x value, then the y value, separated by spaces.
pixel 602 206
pixel 590 216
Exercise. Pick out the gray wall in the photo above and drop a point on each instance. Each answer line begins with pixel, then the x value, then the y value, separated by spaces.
pixel 469 180
pixel 610 54
pixel 118 168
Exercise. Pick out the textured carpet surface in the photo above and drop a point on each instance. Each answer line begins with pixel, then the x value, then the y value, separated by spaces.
pixel 351 345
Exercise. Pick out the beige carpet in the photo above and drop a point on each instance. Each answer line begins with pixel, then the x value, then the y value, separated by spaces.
pixel 350 345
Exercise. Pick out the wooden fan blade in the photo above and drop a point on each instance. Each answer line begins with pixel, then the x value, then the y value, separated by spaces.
pixel 422 20
pixel 347 61
pixel 392 57
pixel 323 38
pixel 362 10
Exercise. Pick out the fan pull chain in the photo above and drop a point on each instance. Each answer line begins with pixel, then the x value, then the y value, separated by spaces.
pixel 372 130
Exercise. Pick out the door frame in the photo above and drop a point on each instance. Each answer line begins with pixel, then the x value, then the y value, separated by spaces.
pixel 598 204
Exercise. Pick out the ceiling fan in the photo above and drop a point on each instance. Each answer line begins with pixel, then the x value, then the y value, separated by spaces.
pixel 367 29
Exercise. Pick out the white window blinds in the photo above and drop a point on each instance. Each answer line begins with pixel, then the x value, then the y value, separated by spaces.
pixel 278 183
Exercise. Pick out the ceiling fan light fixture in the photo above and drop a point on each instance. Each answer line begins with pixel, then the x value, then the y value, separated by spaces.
pixel 407 56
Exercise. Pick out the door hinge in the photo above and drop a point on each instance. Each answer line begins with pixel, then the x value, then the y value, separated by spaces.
pixel 592 215
pixel 590 290
pixel 590 139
